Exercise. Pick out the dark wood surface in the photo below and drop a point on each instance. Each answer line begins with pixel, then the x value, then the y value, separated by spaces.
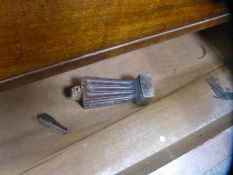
pixel 41 38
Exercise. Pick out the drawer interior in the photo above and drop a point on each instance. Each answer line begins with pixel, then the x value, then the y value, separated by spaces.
pixel 177 66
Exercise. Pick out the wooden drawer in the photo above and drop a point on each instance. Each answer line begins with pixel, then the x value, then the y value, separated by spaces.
pixel 42 38
pixel 125 138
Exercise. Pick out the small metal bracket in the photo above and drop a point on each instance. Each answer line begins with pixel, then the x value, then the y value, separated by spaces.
pixel 49 121
pixel 76 93
pixel 218 91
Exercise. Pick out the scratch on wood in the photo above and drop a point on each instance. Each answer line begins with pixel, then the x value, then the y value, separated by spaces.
pixel 204 52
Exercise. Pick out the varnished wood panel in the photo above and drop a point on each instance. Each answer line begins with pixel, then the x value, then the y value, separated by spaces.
pixel 24 142
pixel 38 33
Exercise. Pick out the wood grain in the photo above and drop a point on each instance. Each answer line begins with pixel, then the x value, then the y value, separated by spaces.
pixel 148 139
pixel 24 142
pixel 210 154
pixel 35 35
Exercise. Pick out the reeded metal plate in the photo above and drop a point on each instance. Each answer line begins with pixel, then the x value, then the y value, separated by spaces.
pixel 97 92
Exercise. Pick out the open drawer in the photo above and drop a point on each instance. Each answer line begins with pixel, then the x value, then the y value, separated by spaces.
pixel 124 138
